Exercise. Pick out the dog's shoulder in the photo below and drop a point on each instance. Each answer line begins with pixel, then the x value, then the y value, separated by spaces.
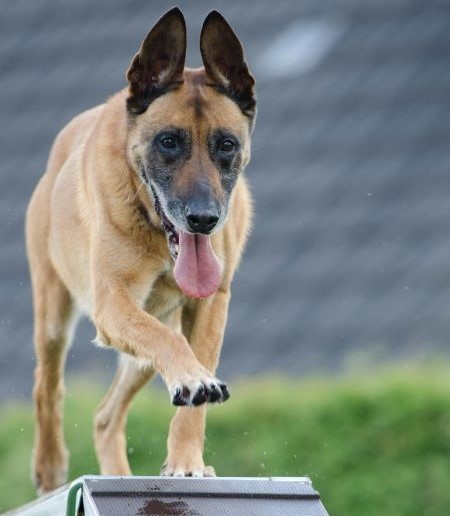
pixel 76 131
pixel 71 136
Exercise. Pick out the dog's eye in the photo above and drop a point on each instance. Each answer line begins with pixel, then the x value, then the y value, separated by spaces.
pixel 227 145
pixel 168 143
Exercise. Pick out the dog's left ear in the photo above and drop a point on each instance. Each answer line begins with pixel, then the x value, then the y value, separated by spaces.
pixel 159 64
pixel 224 62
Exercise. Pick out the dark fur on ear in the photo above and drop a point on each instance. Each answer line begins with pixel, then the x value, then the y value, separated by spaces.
pixel 225 64
pixel 158 66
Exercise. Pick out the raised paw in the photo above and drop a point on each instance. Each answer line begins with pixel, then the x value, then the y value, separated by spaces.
pixel 213 391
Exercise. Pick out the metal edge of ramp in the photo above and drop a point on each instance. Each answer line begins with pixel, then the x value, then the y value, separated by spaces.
pixel 227 496
pixel 61 502
pixel 172 496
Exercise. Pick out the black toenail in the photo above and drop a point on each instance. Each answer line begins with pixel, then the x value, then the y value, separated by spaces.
pixel 200 396
pixel 214 394
pixel 177 399
pixel 225 392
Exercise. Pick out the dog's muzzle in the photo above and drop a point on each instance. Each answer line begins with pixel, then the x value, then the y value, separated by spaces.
pixel 197 269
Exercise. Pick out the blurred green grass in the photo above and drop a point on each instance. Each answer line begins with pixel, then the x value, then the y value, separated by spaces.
pixel 373 444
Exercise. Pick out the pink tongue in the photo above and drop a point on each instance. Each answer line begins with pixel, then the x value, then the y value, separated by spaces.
pixel 197 269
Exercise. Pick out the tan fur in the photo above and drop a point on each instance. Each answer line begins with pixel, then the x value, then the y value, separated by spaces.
pixel 95 246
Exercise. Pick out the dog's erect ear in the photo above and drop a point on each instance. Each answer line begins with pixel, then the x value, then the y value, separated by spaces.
pixel 159 64
pixel 224 62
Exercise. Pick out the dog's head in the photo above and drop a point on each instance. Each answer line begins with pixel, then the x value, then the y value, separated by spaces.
pixel 189 137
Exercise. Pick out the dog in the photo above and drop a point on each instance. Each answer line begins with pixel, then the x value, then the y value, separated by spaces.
pixel 139 222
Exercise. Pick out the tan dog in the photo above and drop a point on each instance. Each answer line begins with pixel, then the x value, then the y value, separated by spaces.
pixel 139 222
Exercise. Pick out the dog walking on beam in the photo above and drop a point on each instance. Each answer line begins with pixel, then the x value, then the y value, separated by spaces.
pixel 139 222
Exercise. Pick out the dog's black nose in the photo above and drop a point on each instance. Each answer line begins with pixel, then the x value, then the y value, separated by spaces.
pixel 201 221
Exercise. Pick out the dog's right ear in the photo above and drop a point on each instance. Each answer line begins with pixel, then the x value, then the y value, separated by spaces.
pixel 159 64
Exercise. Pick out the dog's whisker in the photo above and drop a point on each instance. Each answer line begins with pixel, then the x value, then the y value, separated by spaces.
pixel 138 190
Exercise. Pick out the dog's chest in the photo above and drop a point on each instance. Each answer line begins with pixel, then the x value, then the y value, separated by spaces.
pixel 165 296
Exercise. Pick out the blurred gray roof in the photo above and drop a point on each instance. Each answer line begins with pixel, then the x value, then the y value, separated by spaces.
pixel 350 251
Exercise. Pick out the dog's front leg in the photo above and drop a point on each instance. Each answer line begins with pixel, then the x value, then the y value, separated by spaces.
pixel 204 326
pixel 121 323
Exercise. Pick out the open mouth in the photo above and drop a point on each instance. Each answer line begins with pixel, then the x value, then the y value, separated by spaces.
pixel 197 269
pixel 169 229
